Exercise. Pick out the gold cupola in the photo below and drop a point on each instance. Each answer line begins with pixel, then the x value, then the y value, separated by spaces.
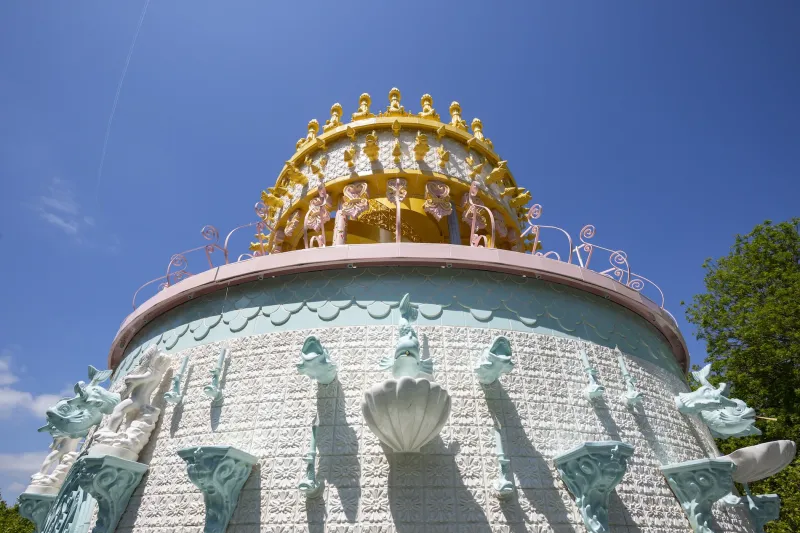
pixel 392 175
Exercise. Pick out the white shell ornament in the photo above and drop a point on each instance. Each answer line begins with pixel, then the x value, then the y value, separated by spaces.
pixel 406 414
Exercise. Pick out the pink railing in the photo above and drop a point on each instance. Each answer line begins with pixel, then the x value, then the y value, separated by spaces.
pixel 584 253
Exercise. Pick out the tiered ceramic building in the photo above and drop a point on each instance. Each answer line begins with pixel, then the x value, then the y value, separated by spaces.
pixel 404 348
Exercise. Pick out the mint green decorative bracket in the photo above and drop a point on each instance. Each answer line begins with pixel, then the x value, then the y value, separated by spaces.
pixel 175 396
pixel 590 472
pixel 35 507
pixel 502 485
pixel 593 389
pixel 111 481
pixel 220 473
pixel 763 508
pixel 310 486
pixel 697 485
pixel 214 390
pixel 631 396
pixel 494 361
pixel 315 361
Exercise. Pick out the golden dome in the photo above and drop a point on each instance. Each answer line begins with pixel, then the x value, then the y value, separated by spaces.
pixel 397 176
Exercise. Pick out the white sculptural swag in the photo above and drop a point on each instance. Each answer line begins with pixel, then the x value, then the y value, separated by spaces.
pixel 64 451
pixel 128 427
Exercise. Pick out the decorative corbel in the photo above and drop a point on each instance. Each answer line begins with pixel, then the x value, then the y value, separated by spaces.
pixel 631 396
pixel 309 485
pixel 421 146
pixel 441 131
pixel 593 389
pixel 590 472
pixel 396 152
pixel 35 507
pixel 444 155
pixel 214 390
pixel 175 395
pixel 315 361
pixel 498 174
pixel 220 473
pixel 494 361
pixel 475 167
pixel 351 133
pixel 697 485
pixel 371 147
pixel 349 156
pixel 111 482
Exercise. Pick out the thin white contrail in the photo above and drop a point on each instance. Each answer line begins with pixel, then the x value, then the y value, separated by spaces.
pixel 116 99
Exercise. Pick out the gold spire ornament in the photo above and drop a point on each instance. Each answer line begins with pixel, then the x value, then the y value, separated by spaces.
pixel 396 128
pixel 477 132
pixel 371 148
pixel 364 102
pixel 455 117
pixel 395 109
pixel 444 155
pixel 313 129
pixel 427 108
pixel 421 146
pixel 336 118
pixel 396 152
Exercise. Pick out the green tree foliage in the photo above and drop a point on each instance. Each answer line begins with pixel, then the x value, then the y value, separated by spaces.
pixel 11 521
pixel 749 317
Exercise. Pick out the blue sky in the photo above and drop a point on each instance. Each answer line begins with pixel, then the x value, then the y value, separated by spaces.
pixel 671 126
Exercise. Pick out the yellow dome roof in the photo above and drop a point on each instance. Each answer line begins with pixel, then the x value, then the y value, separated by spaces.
pixel 392 176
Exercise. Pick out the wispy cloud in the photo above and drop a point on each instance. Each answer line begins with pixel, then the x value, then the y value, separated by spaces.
pixel 60 207
pixel 14 401
pixel 26 462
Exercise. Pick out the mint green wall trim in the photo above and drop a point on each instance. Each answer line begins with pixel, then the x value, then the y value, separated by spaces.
pixel 220 473
pixel 697 485
pixel 371 296
pixel 591 471
pixel 35 507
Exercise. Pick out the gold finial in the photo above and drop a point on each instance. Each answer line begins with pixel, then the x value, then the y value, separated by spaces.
pixel 336 117
pixel 421 146
pixel 427 108
pixel 364 102
pixel 444 155
pixel 477 132
pixel 498 174
pixel 395 109
pixel 396 127
pixel 396 152
pixel 300 142
pixel 350 156
pixel 351 133
pixel 455 117
pixel 371 148
pixel 313 129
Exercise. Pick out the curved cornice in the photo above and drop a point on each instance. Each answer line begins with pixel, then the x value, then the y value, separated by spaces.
pixel 404 254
